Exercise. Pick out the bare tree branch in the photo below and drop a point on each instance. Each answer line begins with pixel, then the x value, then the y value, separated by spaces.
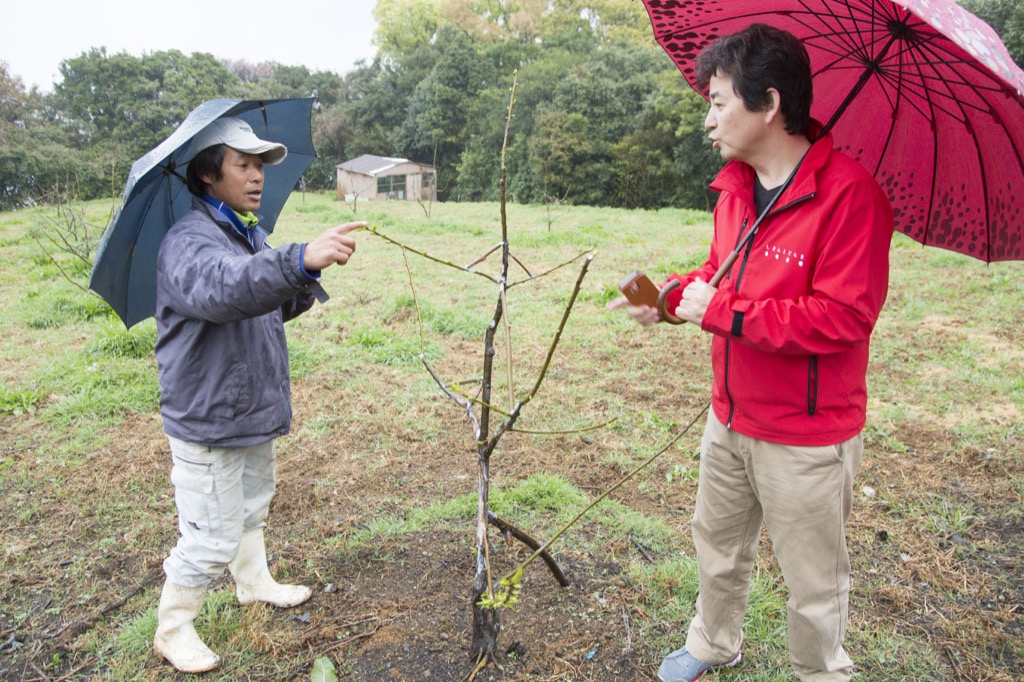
pixel 378 233
pixel 508 347
pixel 416 305
pixel 520 264
pixel 484 257
pixel 466 405
pixel 511 531
pixel 557 267
pixel 510 255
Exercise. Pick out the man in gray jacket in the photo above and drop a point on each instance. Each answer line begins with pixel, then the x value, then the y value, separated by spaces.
pixel 223 296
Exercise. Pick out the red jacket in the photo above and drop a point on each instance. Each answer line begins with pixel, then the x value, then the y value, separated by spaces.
pixel 792 319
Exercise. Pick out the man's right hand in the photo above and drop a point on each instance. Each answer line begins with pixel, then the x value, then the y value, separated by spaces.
pixel 333 245
pixel 646 315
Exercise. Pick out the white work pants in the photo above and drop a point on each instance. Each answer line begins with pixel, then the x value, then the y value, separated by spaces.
pixel 220 493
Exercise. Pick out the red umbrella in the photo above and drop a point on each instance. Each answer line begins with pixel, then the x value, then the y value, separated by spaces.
pixel 922 93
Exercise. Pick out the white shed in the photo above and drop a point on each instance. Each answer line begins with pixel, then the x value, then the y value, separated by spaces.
pixel 384 177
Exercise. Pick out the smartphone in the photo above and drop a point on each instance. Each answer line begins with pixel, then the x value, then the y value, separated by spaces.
pixel 639 290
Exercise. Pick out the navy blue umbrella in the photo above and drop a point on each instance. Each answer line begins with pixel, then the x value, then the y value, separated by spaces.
pixel 155 196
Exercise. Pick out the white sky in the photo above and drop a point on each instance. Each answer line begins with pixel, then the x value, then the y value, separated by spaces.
pixel 323 35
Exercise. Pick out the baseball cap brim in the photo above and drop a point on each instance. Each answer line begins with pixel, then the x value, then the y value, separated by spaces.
pixel 237 134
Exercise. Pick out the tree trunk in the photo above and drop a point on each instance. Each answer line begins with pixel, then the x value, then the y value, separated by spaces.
pixel 485 623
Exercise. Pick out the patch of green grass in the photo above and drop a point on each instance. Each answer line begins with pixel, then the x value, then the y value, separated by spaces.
pixel 448 226
pixel 670 587
pixel 77 269
pixel 584 237
pixel 652 422
pixel 880 436
pixel 948 519
pixel 608 292
pixel 670 592
pixel 460 321
pixel 539 493
pixel 59 308
pixel 1017 391
pixel 135 637
pixel 320 426
pixel 543 492
pixel 112 340
pixel 885 654
pixel 679 217
pixel 682 473
pixel 18 401
pixel 323 213
pixel 385 347
pixel 622 460
pixel 542 500
pixel 675 264
pixel 96 388
pixel 621 523
pixel 302 360
pixel 369 534
pixel 14 241
pixel 221 623
pixel 26 510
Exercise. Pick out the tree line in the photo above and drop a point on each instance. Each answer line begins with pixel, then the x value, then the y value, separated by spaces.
pixel 603 116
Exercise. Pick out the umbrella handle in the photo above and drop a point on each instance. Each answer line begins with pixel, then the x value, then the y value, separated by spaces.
pixel 663 312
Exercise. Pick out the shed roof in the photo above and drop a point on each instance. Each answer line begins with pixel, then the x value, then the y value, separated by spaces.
pixel 369 164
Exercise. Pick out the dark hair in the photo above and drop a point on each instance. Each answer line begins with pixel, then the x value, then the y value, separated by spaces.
pixel 206 162
pixel 758 58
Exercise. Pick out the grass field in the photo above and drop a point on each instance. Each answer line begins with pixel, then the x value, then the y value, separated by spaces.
pixel 377 480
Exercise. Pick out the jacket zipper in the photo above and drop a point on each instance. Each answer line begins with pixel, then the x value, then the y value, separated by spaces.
pixel 728 343
pixel 812 384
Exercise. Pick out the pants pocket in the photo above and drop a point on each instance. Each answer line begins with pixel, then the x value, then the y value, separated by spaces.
pixel 193 491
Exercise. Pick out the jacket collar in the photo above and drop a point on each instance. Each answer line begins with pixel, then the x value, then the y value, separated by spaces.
pixel 737 177
pixel 223 214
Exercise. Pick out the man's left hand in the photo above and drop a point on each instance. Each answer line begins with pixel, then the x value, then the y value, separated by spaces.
pixel 696 297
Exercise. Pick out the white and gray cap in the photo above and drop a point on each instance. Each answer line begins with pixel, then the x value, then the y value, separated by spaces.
pixel 237 134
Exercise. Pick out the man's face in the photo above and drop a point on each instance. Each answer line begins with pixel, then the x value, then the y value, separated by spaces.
pixel 241 182
pixel 734 130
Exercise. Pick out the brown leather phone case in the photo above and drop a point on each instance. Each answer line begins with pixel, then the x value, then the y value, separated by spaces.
pixel 639 290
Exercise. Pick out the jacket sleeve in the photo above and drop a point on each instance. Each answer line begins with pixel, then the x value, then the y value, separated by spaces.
pixel 298 304
pixel 847 288
pixel 204 279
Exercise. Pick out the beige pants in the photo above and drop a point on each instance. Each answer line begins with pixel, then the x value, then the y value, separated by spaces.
pixel 803 495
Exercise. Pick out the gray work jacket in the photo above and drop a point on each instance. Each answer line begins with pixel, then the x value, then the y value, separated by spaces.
pixel 221 349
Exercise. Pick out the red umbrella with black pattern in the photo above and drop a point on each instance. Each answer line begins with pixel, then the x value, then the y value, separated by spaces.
pixel 921 92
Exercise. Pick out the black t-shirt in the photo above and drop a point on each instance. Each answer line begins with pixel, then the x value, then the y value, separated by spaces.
pixel 762 195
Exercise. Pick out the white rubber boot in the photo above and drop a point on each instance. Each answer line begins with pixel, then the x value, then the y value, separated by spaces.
pixel 176 640
pixel 253 581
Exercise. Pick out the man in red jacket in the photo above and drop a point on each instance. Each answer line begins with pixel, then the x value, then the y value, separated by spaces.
pixel 791 321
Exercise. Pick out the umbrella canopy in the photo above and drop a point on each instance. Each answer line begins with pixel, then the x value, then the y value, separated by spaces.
pixel 921 92
pixel 155 196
